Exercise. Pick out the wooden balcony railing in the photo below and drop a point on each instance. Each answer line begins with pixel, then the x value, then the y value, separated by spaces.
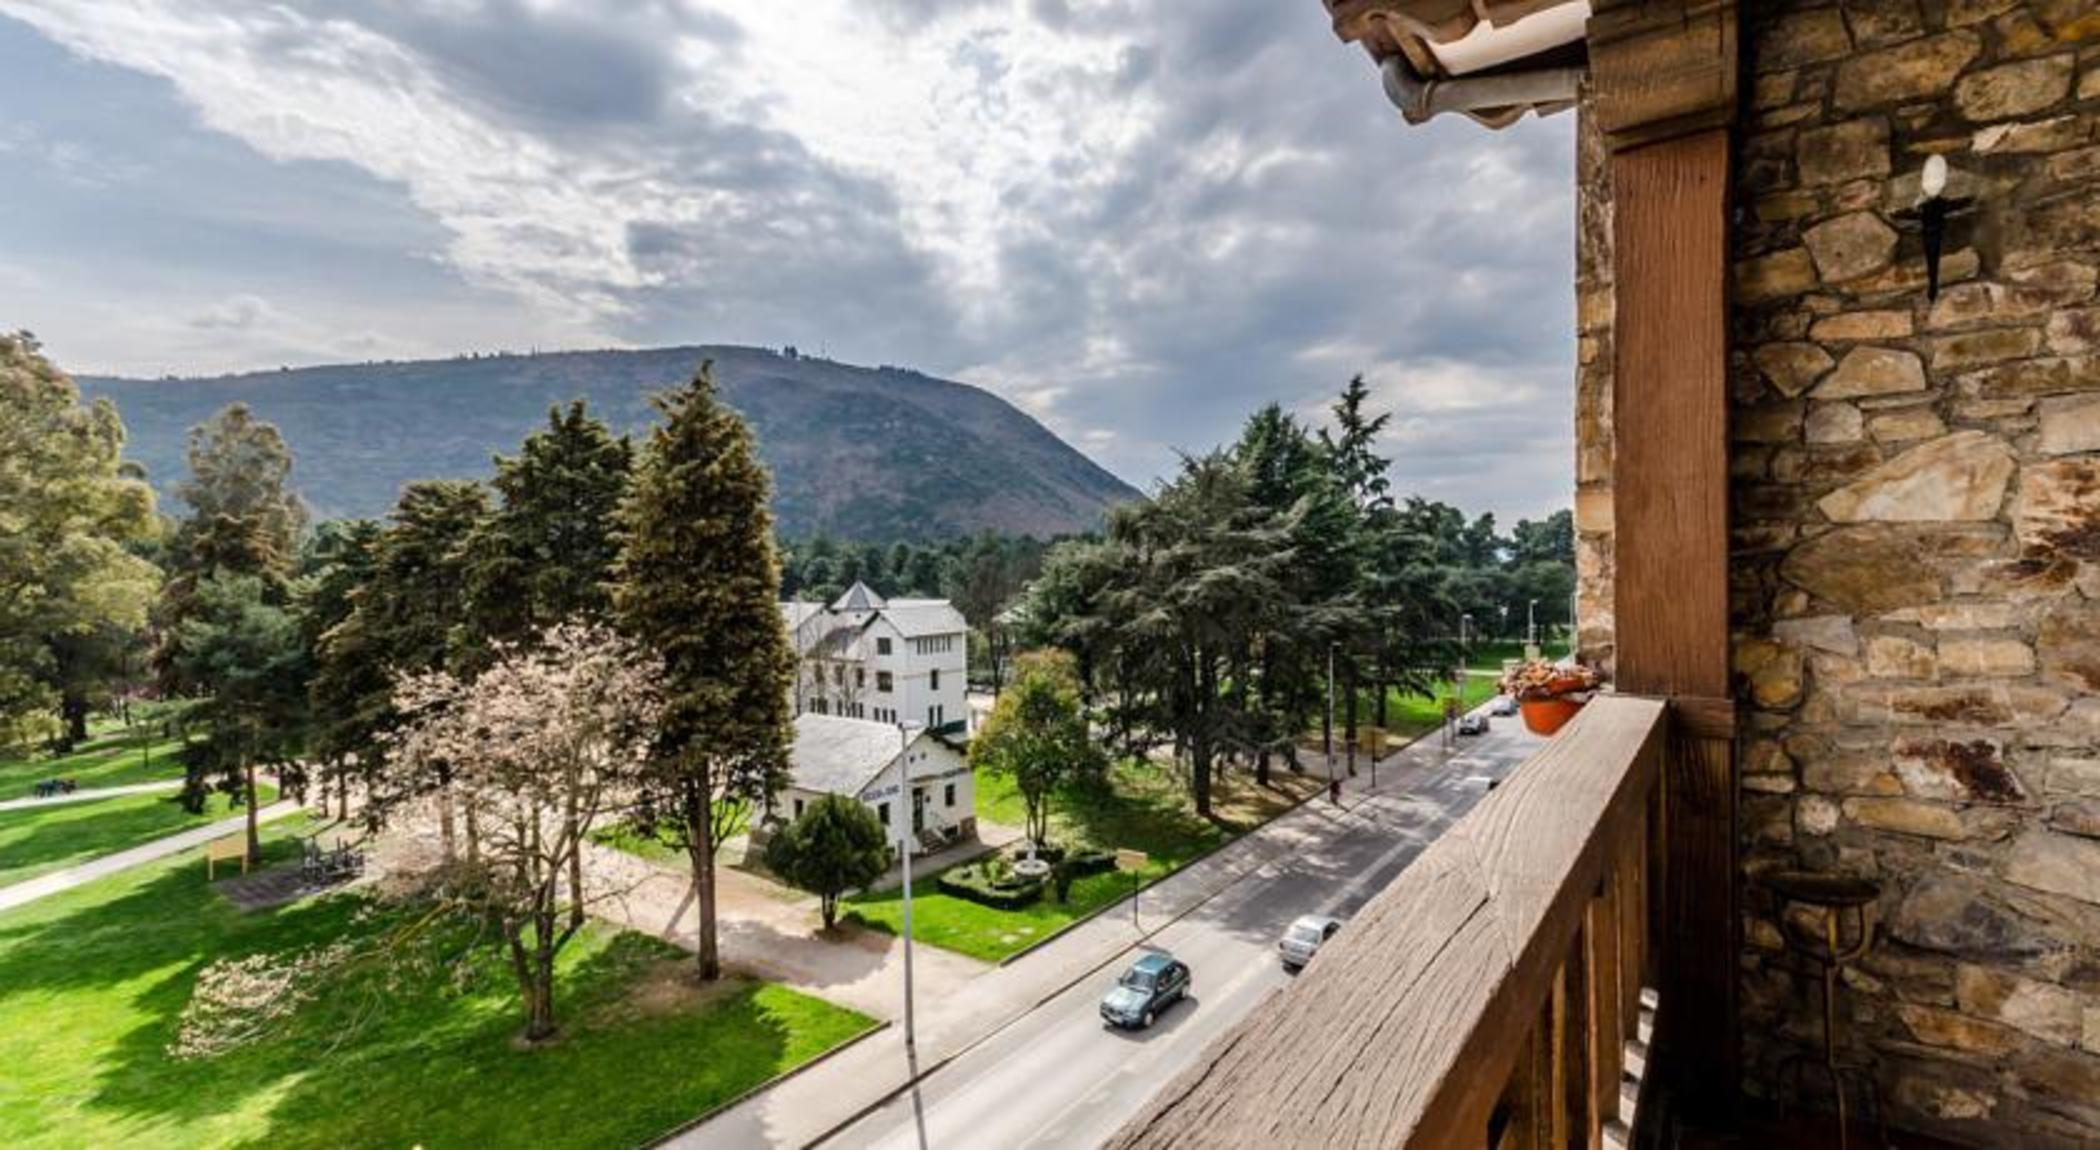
pixel 1495 995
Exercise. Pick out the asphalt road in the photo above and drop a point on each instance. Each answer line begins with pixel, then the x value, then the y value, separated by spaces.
pixel 1058 1077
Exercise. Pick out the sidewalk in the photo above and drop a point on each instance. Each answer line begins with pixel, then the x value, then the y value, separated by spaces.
pixel 50 884
pixel 812 1105
pixel 91 796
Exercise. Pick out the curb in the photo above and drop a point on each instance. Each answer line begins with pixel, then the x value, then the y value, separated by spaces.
pixel 700 1120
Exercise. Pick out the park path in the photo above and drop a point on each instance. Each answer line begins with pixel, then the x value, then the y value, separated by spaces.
pixel 58 880
pixel 772 932
pixel 92 795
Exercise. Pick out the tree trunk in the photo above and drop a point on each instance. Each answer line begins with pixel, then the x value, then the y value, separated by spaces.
pixel 254 824
pixel 829 908
pixel 700 846
pixel 445 835
pixel 1350 725
pixel 75 706
pixel 342 797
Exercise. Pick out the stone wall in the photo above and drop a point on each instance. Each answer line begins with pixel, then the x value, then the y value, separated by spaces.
pixel 1593 398
pixel 1916 544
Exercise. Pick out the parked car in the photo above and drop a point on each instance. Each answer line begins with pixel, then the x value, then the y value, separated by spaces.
pixel 1474 724
pixel 1504 705
pixel 1304 938
pixel 1151 985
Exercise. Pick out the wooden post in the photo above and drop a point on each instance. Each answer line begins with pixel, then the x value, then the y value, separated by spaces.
pixel 1664 75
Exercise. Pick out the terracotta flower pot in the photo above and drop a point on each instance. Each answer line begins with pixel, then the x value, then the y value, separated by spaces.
pixel 1544 716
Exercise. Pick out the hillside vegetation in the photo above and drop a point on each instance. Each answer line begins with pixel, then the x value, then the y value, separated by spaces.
pixel 856 453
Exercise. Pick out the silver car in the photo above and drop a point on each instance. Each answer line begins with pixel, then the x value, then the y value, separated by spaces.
pixel 1305 937
pixel 1504 705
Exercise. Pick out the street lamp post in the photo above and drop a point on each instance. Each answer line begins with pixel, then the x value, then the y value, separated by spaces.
pixel 904 797
pixel 1330 717
pixel 1531 624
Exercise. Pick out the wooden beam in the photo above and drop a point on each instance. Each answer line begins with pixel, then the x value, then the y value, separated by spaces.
pixel 1670 486
pixel 1662 68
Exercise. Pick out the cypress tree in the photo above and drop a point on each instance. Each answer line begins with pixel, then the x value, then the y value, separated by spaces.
pixel 698 585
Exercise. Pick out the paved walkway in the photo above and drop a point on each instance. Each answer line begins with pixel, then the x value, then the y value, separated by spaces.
pixel 772 932
pixel 91 796
pixel 810 1106
pixel 50 884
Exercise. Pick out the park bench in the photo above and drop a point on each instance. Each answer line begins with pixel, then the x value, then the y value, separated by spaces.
pixel 321 867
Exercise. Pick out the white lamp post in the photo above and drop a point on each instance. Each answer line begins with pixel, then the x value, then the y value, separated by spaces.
pixel 904 842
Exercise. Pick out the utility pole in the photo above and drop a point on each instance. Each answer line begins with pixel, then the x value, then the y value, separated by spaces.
pixel 1330 718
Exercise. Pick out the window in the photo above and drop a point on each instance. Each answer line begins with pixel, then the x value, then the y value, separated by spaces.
pixel 883 682
pixel 933 679
pixel 882 646
pixel 882 811
pixel 947 798
pixel 838 674
pixel 798 808
pixel 860 678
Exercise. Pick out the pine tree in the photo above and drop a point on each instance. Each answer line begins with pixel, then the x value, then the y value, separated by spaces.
pixel 544 556
pixel 698 584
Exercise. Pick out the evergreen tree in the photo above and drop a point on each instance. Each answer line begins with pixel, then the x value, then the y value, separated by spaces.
pixel 544 556
pixel 698 584
pixel 247 652
pixel 350 684
pixel 837 845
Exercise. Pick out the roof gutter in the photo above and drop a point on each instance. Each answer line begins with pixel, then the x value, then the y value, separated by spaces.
pixel 1419 99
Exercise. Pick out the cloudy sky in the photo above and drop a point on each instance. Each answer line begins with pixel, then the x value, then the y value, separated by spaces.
pixel 1138 219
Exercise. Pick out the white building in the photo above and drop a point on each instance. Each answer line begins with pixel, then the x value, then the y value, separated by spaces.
pixel 886 660
pixel 859 758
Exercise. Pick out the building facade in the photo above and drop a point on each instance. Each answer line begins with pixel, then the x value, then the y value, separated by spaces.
pixel 931 799
pixel 882 660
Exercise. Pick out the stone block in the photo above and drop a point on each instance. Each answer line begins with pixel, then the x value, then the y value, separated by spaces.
pixel 2058 864
pixel 1832 633
pixel 1852 150
pixel 1986 658
pixel 1894 657
pixel 1833 423
pixel 1873 371
pixel 1792 368
pixel 2068 644
pixel 1962 914
pixel 1991 345
pixel 2074 330
pixel 1956 1031
pixel 2079 817
pixel 1864 569
pixel 1906 424
pixel 1953 770
pixel 2051 376
pixel 1920 69
pixel 1906 816
pixel 1766 423
pixel 2058 508
pixel 2070 425
pixel 2046 1011
pixel 1861 325
pixel 1770 277
pixel 2017 89
pixel 1850 246
pixel 1959 477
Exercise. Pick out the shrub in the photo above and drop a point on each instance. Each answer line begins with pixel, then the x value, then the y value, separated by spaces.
pixel 990 883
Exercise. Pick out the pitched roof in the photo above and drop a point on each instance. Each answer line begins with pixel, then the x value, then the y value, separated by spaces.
pixel 840 756
pixel 936 619
pixel 797 612
pixel 859 597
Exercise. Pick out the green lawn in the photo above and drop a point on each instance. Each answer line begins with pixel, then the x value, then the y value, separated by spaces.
pixel 37 840
pixel 113 757
pixel 92 983
pixel 1146 808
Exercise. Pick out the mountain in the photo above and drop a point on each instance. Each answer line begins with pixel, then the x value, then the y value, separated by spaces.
pixel 857 453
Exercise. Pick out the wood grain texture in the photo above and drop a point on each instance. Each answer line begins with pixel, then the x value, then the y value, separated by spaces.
pixel 1408 1028
pixel 1671 553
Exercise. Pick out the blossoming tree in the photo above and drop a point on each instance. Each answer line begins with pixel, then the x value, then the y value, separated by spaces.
pixel 541 745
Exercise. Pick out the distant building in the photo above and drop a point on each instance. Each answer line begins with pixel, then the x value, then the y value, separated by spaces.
pixel 884 660
pixel 859 758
